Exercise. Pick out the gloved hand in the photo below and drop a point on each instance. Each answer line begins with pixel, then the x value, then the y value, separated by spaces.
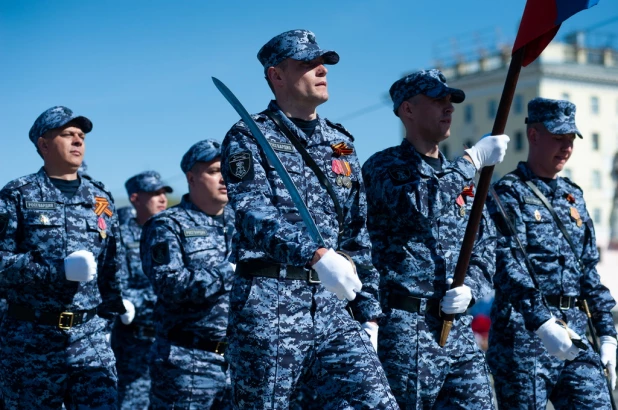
pixel 608 357
pixel 80 266
pixel 233 266
pixel 490 150
pixel 557 341
pixel 372 330
pixel 456 300
pixel 127 317
pixel 337 275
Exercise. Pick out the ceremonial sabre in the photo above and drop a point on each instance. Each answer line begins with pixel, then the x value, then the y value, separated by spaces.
pixel 271 155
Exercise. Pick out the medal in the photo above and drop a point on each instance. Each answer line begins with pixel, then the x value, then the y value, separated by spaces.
pixel 339 180
pixel 102 227
pixel 462 211
pixel 347 182
pixel 343 170
pixel 537 215
pixel 44 219
pixel 579 223
pixel 574 213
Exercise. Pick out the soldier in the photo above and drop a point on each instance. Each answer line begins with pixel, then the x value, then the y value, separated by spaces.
pixel 132 338
pixel 185 252
pixel 58 265
pixel 527 348
pixel 418 205
pixel 287 328
pixel 125 213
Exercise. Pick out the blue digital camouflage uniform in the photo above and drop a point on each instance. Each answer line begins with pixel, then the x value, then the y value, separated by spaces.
pixel 525 375
pixel 132 343
pixel 42 365
pixel 185 255
pixel 417 226
pixel 286 333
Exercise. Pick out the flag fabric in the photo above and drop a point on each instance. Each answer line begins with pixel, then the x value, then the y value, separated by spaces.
pixel 541 21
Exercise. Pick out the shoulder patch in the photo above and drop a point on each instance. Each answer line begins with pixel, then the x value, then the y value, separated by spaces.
pixel 339 128
pixel 568 181
pixel 241 165
pixel 160 253
pixel 4 223
pixel 400 174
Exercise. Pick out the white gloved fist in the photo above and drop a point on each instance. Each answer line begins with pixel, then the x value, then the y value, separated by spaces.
pixel 490 150
pixel 372 330
pixel 127 317
pixel 80 266
pixel 608 357
pixel 456 300
pixel 337 275
pixel 233 266
pixel 557 340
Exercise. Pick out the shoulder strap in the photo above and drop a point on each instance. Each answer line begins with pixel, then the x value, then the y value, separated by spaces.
pixel 311 164
pixel 557 220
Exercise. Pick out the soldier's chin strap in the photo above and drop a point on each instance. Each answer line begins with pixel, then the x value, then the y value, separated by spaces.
pixel 274 116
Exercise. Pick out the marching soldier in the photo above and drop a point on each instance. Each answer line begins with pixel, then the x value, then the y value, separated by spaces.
pixel 288 320
pixel 133 337
pixel 185 252
pixel 531 355
pixel 59 261
pixel 418 205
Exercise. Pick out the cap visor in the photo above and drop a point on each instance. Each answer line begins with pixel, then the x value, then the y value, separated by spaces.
pixel 83 123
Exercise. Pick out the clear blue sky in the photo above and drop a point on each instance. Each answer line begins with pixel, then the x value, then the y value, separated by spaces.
pixel 140 70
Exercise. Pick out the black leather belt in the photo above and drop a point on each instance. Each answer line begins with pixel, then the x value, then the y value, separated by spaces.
pixel 413 305
pixel 64 320
pixel 562 302
pixel 140 331
pixel 271 270
pixel 191 341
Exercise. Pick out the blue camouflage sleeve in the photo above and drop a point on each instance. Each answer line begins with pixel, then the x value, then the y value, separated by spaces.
pixel 512 276
pixel 110 272
pixel 163 263
pixel 598 297
pixel 482 264
pixel 257 218
pixel 18 267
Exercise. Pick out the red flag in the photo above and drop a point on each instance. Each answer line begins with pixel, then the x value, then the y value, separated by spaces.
pixel 541 21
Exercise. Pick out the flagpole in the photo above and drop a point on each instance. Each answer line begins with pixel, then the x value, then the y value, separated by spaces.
pixel 482 188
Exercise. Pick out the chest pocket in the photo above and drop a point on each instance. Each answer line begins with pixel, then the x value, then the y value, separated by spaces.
pixel 293 164
pixel 542 234
pixel 41 227
pixel 204 246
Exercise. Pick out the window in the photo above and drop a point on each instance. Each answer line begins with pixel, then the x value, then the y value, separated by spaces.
pixel 566 96
pixel 596 215
pixel 468 114
pixel 595 141
pixel 594 105
pixel 596 179
pixel 492 108
pixel 519 141
pixel 518 104
pixel 567 173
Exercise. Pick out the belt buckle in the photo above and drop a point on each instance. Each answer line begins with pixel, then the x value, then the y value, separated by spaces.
pixel 568 304
pixel 309 279
pixel 219 348
pixel 63 317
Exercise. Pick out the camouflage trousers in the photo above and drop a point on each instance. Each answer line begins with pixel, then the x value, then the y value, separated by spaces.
pixel 285 333
pixel 188 379
pixel 527 377
pixel 424 375
pixel 132 357
pixel 42 367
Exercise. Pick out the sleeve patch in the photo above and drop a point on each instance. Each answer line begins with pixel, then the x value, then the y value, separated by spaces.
pixel 160 253
pixel 400 175
pixel 241 165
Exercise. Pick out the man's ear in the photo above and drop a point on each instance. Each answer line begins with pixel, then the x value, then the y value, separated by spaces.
pixel 274 75
pixel 43 146
pixel 533 136
pixel 133 198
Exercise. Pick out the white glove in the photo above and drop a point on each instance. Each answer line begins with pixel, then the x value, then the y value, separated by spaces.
pixel 490 150
pixel 80 266
pixel 337 275
pixel 372 330
pixel 233 266
pixel 456 300
pixel 608 357
pixel 557 341
pixel 127 317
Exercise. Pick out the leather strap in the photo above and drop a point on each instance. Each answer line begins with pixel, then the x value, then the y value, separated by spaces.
pixel 271 270
pixel 311 164
pixel 63 320
pixel 191 341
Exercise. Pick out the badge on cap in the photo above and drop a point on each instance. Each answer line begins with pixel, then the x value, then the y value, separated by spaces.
pixel 537 215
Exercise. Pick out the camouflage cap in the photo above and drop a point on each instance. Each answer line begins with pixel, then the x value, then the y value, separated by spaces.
pixel 147 181
pixel 57 117
pixel 558 116
pixel 202 151
pixel 431 83
pixel 125 213
pixel 295 44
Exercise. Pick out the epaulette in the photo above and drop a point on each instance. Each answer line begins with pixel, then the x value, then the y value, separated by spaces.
pixel 20 182
pixel 339 128
pixel 568 181
pixel 508 179
pixel 99 185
